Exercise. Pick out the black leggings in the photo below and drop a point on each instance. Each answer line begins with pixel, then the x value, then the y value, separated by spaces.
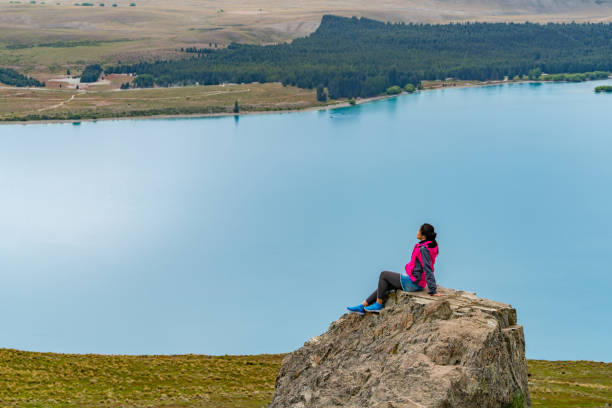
pixel 386 282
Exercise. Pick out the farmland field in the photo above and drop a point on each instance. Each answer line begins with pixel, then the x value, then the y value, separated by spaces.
pixel 58 104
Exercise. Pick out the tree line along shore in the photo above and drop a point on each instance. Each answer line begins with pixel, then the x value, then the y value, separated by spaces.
pixel 52 105
pixel 352 57
pixel 343 60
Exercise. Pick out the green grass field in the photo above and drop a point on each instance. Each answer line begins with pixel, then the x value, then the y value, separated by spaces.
pixel 29 379
pixel 70 380
pixel 562 384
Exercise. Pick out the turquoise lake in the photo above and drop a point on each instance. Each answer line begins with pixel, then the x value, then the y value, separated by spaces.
pixel 251 234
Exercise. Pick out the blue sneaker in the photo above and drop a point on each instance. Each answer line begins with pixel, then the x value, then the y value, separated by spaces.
pixel 373 308
pixel 357 309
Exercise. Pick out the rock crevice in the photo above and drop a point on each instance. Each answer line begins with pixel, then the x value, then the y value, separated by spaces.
pixel 457 350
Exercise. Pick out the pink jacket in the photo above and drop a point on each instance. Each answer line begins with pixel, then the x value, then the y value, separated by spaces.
pixel 422 273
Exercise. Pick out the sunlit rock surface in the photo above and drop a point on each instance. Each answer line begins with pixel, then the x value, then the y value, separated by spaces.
pixel 457 350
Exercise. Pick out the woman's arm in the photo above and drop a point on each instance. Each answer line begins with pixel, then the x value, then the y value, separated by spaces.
pixel 429 276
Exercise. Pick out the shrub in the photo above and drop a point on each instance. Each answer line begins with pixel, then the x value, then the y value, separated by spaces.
pixel 603 88
pixel 534 74
pixel 409 88
pixel 394 90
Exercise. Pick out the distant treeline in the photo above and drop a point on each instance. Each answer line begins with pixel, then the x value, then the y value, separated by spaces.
pixel 586 76
pixel 61 44
pixel 362 57
pixel 9 76
pixel 195 50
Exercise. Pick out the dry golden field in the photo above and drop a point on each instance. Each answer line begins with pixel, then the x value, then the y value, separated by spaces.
pixel 71 104
pixel 156 28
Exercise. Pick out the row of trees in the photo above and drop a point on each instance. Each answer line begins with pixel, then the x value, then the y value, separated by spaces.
pixel 354 57
pixel 581 77
pixel 57 44
pixel 196 50
pixel 9 76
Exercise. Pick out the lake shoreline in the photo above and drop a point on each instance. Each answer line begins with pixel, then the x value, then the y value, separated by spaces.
pixel 342 104
pixel 199 115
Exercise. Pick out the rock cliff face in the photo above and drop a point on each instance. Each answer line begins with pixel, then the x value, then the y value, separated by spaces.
pixel 452 351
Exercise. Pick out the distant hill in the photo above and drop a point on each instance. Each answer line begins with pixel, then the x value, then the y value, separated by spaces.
pixel 158 28
pixel 529 6
pixel 361 57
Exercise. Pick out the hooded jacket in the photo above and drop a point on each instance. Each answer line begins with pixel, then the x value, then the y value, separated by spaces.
pixel 420 269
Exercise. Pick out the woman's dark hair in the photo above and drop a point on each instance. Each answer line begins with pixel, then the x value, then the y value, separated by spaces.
pixel 430 234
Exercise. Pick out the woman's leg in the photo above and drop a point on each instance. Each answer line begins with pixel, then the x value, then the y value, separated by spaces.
pixel 371 299
pixel 386 282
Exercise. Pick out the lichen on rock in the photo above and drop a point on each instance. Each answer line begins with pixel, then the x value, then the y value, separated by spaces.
pixel 457 350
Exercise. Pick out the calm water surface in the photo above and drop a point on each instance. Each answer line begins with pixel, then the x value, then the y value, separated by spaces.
pixel 250 235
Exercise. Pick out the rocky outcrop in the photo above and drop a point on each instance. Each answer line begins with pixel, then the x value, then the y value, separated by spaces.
pixel 452 351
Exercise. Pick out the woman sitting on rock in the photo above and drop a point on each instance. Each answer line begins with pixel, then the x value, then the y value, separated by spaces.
pixel 418 273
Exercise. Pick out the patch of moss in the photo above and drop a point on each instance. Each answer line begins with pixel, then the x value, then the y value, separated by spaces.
pixel 518 401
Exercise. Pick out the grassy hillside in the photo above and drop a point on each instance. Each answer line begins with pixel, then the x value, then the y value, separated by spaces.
pixel 154 29
pixel 29 379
